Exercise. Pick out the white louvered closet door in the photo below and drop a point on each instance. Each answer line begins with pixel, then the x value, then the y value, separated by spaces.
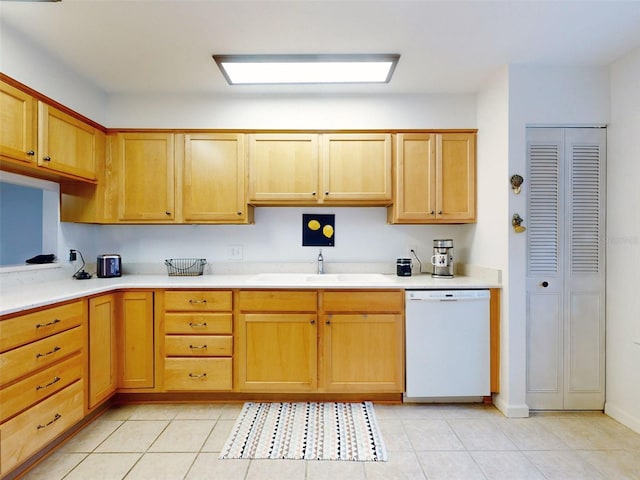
pixel 565 268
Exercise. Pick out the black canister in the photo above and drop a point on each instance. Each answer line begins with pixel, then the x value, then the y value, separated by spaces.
pixel 403 267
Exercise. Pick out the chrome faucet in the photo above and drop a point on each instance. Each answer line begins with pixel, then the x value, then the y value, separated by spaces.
pixel 320 263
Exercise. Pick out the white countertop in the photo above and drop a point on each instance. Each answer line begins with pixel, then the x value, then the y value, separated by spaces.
pixel 16 298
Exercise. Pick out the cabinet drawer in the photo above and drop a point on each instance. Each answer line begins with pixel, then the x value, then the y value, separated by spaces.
pixel 198 300
pixel 34 326
pixel 197 374
pixel 20 361
pixel 25 434
pixel 197 323
pixel 369 301
pixel 277 301
pixel 34 388
pixel 198 345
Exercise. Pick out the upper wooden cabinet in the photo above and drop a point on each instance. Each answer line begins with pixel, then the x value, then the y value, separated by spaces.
pixel 65 144
pixel 214 172
pixel 144 165
pixel 308 169
pixel 40 140
pixel 283 168
pixel 18 124
pixel 356 168
pixel 435 178
pixel 177 178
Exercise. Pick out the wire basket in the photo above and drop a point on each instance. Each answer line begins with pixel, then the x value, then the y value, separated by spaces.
pixel 185 267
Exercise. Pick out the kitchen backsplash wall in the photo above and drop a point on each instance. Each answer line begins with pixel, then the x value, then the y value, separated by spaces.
pixel 361 236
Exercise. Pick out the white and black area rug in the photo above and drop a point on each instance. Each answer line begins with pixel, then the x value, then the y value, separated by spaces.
pixel 309 431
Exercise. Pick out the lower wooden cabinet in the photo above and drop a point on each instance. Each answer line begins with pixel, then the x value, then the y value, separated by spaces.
pixel 363 353
pixel 136 341
pixel 103 374
pixel 36 387
pixel 277 352
pixel 42 369
pixel 358 349
pixel 363 338
pixel 198 374
pixel 25 434
pixel 196 334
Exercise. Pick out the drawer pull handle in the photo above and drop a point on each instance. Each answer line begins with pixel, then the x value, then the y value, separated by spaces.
pixel 194 325
pixel 197 301
pixel 55 419
pixel 55 349
pixel 195 347
pixel 55 380
pixel 40 325
pixel 197 375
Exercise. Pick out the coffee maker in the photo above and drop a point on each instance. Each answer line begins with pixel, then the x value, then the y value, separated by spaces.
pixel 442 259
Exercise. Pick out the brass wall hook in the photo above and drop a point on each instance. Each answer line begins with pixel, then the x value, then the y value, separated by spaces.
pixel 516 221
pixel 516 182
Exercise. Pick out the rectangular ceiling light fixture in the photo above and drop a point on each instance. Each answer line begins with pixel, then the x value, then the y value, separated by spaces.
pixel 297 69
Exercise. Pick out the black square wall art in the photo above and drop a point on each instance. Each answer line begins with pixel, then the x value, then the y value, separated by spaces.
pixel 318 230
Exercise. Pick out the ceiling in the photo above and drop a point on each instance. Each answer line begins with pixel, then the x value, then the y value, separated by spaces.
pixel 159 46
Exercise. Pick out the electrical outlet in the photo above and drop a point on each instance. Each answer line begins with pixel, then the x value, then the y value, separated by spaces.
pixel 72 255
pixel 235 252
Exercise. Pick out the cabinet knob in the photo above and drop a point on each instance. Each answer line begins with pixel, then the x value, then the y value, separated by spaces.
pixel 328 322
pixel 313 322
pixel 313 193
pixel 31 153
pixel 433 212
pixel 47 158
pixel 440 212
pixel 326 193
pixel 238 213
pixel 167 212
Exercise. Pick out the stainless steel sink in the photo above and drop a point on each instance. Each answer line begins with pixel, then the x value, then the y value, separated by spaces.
pixel 327 278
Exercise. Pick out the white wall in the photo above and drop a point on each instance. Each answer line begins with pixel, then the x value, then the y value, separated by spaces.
pixel 292 111
pixel 36 68
pixel 361 235
pixel 490 240
pixel 540 96
pixel 623 244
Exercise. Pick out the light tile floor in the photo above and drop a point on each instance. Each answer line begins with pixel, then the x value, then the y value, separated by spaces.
pixel 424 442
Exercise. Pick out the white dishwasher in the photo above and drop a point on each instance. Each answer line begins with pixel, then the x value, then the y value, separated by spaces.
pixel 447 344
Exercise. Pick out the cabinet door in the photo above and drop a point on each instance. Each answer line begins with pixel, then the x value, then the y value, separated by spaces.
pixel 356 167
pixel 456 177
pixel 415 176
pixel 214 178
pixel 102 348
pixel 277 352
pixel 17 124
pixel 145 169
pixel 136 347
pixel 283 168
pixel 363 353
pixel 65 143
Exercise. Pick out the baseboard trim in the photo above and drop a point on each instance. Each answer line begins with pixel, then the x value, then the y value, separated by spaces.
pixel 509 410
pixel 622 416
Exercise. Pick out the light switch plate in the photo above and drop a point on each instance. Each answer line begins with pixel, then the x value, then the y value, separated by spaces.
pixel 235 252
